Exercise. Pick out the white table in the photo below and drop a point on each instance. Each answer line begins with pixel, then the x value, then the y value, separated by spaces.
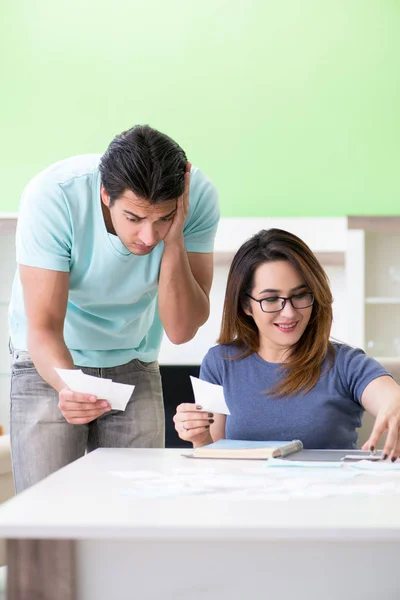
pixel 212 546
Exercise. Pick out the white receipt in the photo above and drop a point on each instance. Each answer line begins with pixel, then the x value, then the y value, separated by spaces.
pixel 373 457
pixel 117 394
pixel 209 396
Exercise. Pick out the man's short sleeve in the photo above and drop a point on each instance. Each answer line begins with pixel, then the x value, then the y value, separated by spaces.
pixel 202 221
pixel 44 232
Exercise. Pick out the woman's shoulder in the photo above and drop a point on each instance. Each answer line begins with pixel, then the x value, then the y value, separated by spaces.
pixel 355 369
pixel 351 357
pixel 223 361
pixel 224 351
pixel 227 355
pixel 343 351
pixel 342 348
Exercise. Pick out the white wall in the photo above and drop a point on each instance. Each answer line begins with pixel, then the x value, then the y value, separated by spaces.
pixel 193 352
pixel 337 277
pixel 321 234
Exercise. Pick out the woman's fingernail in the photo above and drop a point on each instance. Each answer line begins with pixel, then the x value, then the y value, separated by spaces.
pixel 198 407
pixel 394 458
pixel 372 448
pixel 210 415
pixel 211 420
pixel 384 457
pixel 207 427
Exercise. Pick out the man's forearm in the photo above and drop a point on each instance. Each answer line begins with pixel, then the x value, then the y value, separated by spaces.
pixel 183 304
pixel 48 350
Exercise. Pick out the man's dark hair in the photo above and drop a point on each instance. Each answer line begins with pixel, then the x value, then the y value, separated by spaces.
pixel 145 161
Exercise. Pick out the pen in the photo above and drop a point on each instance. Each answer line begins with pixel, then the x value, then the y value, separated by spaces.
pixel 294 446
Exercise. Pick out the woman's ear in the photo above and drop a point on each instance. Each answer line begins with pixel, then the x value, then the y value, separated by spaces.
pixel 247 309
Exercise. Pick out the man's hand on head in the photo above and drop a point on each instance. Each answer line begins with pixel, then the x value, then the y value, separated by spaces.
pixel 175 233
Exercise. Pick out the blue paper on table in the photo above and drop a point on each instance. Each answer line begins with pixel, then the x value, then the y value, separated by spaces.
pixel 247 449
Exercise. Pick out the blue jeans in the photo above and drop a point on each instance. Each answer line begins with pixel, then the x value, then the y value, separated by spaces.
pixel 41 439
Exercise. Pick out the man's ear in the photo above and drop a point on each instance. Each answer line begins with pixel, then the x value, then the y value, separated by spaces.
pixel 105 198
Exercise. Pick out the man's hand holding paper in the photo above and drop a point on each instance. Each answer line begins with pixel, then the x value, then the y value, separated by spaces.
pixel 86 398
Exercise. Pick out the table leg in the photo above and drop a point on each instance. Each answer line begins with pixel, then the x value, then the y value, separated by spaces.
pixel 42 569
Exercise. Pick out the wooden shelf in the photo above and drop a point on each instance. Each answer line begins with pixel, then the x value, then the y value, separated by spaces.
pixel 325 258
pixel 382 300
pixel 376 224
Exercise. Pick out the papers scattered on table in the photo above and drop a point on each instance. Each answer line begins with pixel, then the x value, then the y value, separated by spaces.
pixel 362 465
pixel 376 467
pixel 117 394
pixel 255 483
pixel 209 396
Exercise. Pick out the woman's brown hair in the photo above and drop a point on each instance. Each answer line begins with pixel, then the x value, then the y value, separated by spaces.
pixel 303 367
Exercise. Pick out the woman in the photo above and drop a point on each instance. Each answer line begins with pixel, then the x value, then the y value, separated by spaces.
pixel 282 376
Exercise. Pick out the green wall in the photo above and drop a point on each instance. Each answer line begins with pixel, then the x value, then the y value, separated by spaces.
pixel 292 107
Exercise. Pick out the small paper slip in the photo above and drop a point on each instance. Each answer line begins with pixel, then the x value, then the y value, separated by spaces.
pixel 371 457
pixel 117 394
pixel 209 396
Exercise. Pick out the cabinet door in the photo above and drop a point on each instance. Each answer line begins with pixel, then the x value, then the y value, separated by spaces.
pixel 382 294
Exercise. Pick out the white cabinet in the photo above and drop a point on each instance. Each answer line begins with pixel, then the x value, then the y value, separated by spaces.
pixel 373 284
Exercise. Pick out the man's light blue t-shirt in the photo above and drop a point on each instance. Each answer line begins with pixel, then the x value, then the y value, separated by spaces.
pixel 325 417
pixel 112 313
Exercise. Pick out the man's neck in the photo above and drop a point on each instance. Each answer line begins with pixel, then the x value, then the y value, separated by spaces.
pixel 107 218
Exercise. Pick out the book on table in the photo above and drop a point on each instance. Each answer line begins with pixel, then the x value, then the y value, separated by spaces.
pixel 247 449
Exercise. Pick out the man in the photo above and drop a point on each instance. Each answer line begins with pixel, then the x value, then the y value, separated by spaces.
pixel 111 250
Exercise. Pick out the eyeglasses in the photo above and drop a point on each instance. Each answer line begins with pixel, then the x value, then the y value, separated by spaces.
pixel 278 303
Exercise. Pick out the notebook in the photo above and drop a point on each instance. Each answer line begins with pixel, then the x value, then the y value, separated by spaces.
pixel 247 449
